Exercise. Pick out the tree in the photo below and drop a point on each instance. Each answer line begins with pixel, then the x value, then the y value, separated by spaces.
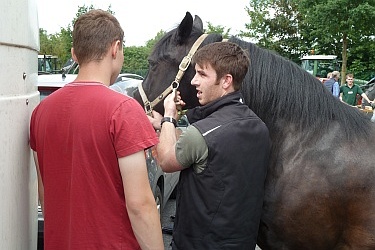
pixel 340 25
pixel 135 60
pixel 293 27
pixel 218 29
pixel 45 43
pixel 278 26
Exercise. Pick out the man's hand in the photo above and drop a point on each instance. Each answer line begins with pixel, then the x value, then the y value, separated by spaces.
pixel 155 120
pixel 172 103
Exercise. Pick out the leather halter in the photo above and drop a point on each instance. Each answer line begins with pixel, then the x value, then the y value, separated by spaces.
pixel 176 83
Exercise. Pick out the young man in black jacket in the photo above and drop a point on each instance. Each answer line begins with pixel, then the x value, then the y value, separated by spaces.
pixel 222 156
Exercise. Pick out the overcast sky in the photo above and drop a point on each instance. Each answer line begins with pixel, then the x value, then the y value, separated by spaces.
pixel 143 19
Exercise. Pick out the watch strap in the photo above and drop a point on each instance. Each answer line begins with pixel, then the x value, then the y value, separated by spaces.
pixel 168 119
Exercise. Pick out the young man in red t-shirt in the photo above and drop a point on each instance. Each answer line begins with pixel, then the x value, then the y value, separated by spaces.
pixel 88 144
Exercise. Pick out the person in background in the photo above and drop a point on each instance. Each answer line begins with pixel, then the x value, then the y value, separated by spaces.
pixel 332 83
pixel 88 144
pixel 350 91
pixel 222 155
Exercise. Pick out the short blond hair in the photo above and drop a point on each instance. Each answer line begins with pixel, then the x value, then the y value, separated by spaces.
pixel 335 74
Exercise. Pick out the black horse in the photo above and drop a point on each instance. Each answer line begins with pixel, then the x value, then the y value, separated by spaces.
pixel 370 90
pixel 320 186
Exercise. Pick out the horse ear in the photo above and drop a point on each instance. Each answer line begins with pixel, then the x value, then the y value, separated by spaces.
pixel 185 28
pixel 198 23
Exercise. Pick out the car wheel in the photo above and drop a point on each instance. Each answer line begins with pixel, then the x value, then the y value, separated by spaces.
pixel 159 200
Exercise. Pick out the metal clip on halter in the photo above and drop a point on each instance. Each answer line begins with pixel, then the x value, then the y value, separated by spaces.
pixel 148 108
pixel 175 85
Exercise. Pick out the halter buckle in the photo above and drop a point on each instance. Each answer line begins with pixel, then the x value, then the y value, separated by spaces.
pixel 148 108
pixel 185 63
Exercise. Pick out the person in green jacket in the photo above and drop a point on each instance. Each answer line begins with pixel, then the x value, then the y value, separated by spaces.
pixel 350 90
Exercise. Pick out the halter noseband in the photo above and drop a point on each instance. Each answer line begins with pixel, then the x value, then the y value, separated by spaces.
pixel 176 83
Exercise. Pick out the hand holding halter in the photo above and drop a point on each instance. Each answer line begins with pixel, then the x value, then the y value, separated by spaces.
pixel 179 103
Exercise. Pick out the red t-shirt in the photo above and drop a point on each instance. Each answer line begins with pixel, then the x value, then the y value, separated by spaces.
pixel 79 132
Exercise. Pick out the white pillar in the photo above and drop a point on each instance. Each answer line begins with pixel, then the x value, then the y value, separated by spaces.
pixel 19 45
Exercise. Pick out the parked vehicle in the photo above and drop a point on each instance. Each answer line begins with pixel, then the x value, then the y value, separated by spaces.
pixel 320 65
pixel 70 67
pixel 162 184
pixel 47 64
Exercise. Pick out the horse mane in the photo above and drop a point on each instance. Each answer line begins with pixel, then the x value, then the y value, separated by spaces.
pixel 281 89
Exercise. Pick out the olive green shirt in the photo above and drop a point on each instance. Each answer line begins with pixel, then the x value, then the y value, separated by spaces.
pixel 191 149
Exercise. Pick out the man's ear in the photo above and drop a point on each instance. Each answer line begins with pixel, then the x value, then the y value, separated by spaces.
pixel 227 81
pixel 73 54
pixel 115 48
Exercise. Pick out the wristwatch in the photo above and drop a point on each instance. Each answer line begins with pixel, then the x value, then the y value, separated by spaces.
pixel 168 119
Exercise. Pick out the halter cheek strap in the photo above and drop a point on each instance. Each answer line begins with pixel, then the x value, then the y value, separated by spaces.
pixel 148 106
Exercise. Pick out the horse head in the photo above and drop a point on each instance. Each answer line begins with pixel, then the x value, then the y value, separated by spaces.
pixel 167 59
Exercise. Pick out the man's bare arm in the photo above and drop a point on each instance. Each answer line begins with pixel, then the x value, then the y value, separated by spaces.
pixel 169 135
pixel 140 202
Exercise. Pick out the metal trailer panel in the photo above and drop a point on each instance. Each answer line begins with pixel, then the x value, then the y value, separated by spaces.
pixel 19 45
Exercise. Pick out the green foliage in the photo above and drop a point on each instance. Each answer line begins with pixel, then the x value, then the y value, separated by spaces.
pixel 276 25
pixel 45 43
pixel 362 58
pixel 150 43
pixel 136 60
pixel 218 29
pixel 294 27
pixel 58 45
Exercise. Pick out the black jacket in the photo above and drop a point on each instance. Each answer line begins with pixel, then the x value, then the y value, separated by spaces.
pixel 220 208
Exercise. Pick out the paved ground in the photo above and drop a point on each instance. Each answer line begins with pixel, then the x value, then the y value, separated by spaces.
pixel 166 221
